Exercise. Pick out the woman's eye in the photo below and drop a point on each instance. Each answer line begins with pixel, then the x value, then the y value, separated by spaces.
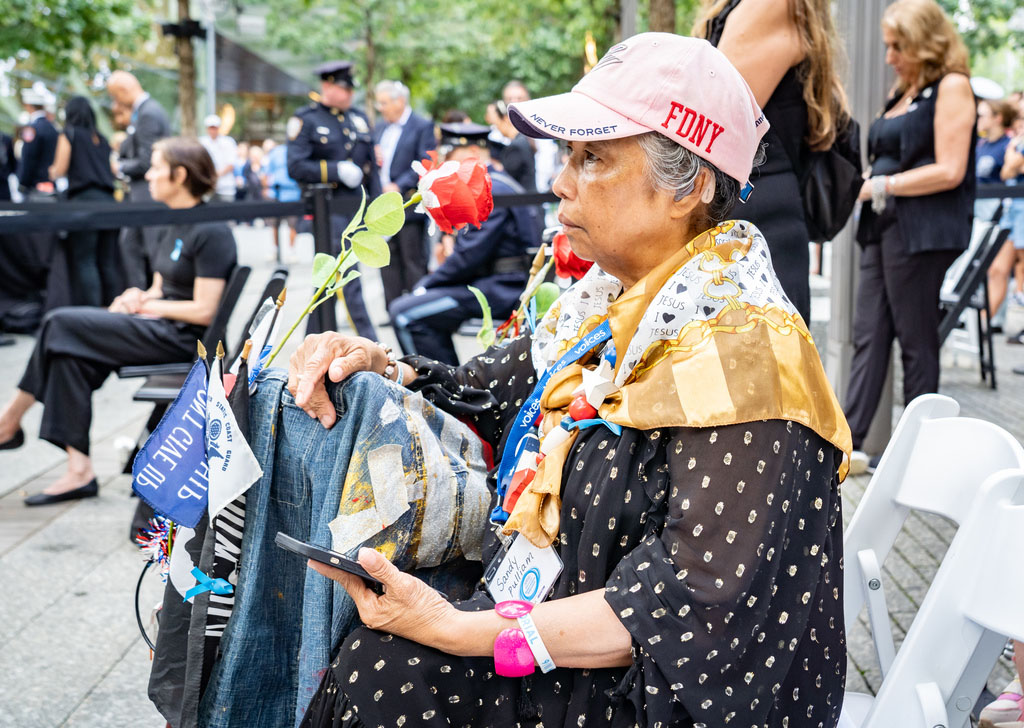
pixel 589 157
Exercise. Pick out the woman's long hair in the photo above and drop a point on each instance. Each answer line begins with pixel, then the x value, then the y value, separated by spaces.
pixel 926 33
pixel 827 106
pixel 78 113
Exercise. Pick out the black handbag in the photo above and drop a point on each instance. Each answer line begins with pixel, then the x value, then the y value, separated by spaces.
pixel 831 183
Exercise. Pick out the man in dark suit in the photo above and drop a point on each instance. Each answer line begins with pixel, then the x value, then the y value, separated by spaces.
pixel 148 125
pixel 39 143
pixel 401 138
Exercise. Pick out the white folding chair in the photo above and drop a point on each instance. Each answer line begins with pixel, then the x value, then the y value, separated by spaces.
pixel 935 462
pixel 964 620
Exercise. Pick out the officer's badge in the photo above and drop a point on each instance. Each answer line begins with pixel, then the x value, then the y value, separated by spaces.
pixel 322 130
pixel 293 128
pixel 360 124
pixel 28 134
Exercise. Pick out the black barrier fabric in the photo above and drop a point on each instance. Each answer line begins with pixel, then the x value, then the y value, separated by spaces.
pixel 38 216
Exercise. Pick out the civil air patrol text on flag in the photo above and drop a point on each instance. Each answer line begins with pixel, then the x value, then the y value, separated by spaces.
pixel 171 473
pixel 232 466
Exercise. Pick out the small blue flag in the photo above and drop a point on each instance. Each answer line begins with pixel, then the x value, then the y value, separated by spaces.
pixel 170 472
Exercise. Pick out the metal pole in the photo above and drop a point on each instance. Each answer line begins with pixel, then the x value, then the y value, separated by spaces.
pixel 324 317
pixel 627 18
pixel 866 82
pixel 211 59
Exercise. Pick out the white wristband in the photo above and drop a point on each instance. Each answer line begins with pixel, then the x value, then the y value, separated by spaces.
pixel 540 652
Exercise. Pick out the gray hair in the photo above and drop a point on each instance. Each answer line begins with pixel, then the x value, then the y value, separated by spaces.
pixel 393 89
pixel 670 166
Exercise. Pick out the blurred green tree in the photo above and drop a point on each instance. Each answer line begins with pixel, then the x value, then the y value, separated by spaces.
pixel 58 35
pixel 450 53
pixel 984 24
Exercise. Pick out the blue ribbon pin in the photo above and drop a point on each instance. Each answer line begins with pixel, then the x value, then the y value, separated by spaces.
pixel 217 586
pixel 584 424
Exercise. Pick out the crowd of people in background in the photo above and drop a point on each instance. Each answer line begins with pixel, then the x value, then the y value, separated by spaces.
pixel 929 147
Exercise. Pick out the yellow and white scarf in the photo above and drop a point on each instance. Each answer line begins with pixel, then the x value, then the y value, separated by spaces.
pixel 706 338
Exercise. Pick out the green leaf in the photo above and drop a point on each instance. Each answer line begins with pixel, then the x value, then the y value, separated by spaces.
pixel 323 267
pixel 546 294
pixel 385 215
pixel 371 248
pixel 356 220
pixel 349 259
pixel 342 282
pixel 486 334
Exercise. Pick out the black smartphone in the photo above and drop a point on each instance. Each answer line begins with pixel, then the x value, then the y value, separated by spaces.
pixel 326 556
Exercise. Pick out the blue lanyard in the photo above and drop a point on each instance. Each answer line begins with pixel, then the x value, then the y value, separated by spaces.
pixel 527 417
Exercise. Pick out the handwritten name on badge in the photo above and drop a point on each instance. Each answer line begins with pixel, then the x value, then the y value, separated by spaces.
pixel 693 126
pixel 525 572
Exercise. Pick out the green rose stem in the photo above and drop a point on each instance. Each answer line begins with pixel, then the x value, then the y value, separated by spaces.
pixel 316 300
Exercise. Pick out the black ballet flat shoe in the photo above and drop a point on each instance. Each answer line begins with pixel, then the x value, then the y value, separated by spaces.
pixel 89 490
pixel 15 442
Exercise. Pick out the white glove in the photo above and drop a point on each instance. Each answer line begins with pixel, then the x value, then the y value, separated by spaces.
pixel 349 174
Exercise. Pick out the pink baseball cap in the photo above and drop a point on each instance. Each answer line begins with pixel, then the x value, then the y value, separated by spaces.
pixel 683 88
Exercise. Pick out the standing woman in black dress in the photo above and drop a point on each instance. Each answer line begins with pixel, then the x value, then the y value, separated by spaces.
pixel 918 206
pixel 786 51
pixel 83 156
pixel 78 347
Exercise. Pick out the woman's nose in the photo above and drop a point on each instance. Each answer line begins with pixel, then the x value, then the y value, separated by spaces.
pixel 563 185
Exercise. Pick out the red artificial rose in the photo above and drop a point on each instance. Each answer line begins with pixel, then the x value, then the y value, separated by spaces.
pixel 567 263
pixel 455 194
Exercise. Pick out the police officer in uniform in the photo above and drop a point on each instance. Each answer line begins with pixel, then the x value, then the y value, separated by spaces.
pixel 495 258
pixel 39 144
pixel 329 143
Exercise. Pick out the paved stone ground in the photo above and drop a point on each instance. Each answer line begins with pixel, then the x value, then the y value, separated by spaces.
pixel 70 650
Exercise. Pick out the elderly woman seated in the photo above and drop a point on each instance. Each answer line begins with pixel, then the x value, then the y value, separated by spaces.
pixel 687 448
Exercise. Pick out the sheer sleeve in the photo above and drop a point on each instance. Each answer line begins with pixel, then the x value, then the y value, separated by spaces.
pixel 485 392
pixel 718 598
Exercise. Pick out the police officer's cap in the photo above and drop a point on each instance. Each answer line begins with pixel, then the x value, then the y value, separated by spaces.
pixel 464 134
pixel 339 72
pixel 32 97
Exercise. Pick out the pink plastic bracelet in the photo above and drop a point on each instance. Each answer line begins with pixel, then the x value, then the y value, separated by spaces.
pixel 512 654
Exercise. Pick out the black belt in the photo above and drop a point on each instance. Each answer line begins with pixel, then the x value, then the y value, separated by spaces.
pixel 512 264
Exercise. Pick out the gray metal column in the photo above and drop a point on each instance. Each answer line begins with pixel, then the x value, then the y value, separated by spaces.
pixel 627 20
pixel 867 80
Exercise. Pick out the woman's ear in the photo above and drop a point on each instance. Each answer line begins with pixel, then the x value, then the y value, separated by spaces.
pixel 179 175
pixel 707 191
pixel 703 193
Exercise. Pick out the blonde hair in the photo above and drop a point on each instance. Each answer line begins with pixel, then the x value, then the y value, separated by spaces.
pixel 827 106
pixel 926 33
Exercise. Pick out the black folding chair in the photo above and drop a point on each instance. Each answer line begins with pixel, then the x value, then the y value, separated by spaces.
pixel 970 290
pixel 163 381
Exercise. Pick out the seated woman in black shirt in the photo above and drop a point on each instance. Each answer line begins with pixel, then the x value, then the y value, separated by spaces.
pixel 83 156
pixel 77 348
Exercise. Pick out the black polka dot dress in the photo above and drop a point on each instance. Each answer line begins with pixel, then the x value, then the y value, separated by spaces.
pixel 720 550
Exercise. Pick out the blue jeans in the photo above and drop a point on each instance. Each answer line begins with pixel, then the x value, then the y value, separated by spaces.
pixel 391 460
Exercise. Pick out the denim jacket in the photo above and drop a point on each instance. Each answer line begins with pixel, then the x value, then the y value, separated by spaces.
pixel 392 460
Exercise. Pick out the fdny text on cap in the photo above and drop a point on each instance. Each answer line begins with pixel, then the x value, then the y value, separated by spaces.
pixel 696 125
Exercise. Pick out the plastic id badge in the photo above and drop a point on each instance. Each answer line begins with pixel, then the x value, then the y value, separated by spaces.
pixel 522 572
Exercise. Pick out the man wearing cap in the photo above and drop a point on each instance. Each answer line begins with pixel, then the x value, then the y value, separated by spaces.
pixel 39 144
pixel 147 125
pixel 222 150
pixel 494 258
pixel 400 138
pixel 329 143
